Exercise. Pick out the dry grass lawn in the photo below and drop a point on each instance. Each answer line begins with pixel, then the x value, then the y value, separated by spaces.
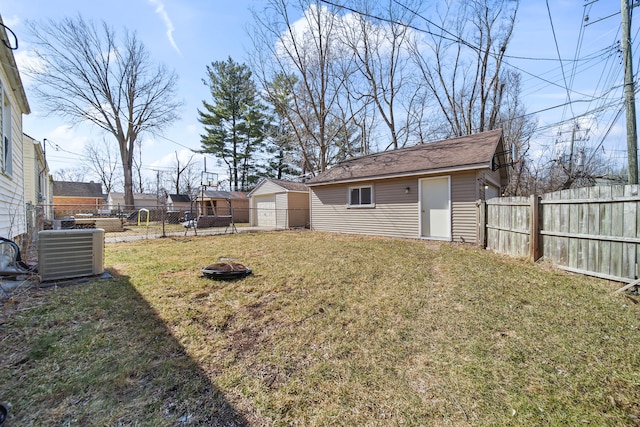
pixel 329 330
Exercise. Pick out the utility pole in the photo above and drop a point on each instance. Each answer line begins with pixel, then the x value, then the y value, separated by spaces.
pixel 573 138
pixel 629 95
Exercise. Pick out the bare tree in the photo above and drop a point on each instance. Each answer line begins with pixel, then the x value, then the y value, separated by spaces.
pixel 182 171
pixel 463 68
pixel 78 174
pixel 138 185
pixel 518 129
pixel 85 74
pixel 311 54
pixel 102 159
pixel 381 56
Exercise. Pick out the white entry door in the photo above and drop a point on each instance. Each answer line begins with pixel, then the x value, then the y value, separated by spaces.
pixel 435 208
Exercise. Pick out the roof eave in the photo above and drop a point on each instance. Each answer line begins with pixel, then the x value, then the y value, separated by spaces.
pixel 13 74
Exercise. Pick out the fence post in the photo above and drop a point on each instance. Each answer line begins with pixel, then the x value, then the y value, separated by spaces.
pixel 482 223
pixel 534 232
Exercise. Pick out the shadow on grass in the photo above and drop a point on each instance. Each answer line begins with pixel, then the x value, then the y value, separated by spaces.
pixel 98 354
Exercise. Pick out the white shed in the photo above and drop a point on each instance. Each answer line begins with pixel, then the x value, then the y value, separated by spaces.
pixel 279 204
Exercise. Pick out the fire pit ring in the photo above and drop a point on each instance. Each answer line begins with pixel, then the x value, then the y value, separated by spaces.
pixel 225 270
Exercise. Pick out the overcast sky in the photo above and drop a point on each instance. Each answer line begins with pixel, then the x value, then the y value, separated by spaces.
pixel 187 35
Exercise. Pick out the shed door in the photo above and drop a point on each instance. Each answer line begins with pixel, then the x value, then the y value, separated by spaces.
pixel 435 208
pixel 265 211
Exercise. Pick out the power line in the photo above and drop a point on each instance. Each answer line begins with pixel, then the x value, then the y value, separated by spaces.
pixel 460 40
pixel 555 40
pixel 453 38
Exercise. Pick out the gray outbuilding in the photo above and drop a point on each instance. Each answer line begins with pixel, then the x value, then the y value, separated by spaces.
pixel 428 191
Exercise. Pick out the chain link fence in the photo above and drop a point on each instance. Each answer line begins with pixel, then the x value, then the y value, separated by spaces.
pixel 154 222
pixel 135 224
pixel 151 223
pixel 143 224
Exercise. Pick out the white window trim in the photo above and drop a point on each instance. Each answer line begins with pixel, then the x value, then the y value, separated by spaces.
pixel 2 162
pixel 361 206
pixel 6 160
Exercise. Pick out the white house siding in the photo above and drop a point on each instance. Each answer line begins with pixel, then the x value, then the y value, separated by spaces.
pixel 282 211
pixel 12 202
pixel 30 170
pixel 395 213
pixel 267 187
pixel 464 194
pixel 116 201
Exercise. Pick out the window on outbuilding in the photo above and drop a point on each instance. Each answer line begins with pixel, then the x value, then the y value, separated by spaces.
pixel 361 196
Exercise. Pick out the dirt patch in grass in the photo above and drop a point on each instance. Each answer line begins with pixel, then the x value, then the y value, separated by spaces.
pixel 329 330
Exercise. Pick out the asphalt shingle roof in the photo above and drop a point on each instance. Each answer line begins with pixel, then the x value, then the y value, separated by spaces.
pixel 216 194
pixel 475 150
pixel 180 198
pixel 77 189
pixel 289 185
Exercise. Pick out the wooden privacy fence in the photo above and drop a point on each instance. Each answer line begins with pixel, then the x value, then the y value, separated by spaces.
pixel 591 230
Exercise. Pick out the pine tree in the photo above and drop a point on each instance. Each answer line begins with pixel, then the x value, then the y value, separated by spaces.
pixel 284 153
pixel 235 121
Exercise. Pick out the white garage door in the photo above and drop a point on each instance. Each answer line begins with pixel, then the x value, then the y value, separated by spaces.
pixel 266 211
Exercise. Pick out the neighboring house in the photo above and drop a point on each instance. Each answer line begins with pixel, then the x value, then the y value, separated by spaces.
pixel 13 105
pixel 73 198
pixel 37 181
pixel 115 201
pixel 426 191
pixel 222 203
pixel 38 184
pixel 279 204
pixel 179 202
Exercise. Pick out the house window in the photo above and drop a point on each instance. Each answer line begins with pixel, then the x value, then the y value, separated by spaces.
pixel 361 196
pixel 6 163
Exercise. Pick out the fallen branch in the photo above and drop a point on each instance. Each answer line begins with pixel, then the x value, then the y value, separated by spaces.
pixel 629 286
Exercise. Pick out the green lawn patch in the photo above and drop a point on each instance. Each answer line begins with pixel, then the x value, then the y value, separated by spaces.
pixel 328 330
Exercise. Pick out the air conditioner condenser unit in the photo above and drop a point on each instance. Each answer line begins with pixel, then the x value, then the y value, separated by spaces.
pixel 67 254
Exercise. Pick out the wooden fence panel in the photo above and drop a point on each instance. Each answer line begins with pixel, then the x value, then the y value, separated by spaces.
pixel 508 225
pixel 629 229
pixel 583 228
pixel 593 260
pixel 605 230
pixel 592 230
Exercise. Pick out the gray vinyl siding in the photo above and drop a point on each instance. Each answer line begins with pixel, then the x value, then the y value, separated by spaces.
pixel 395 213
pixel 298 209
pixel 464 217
pixel 493 177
